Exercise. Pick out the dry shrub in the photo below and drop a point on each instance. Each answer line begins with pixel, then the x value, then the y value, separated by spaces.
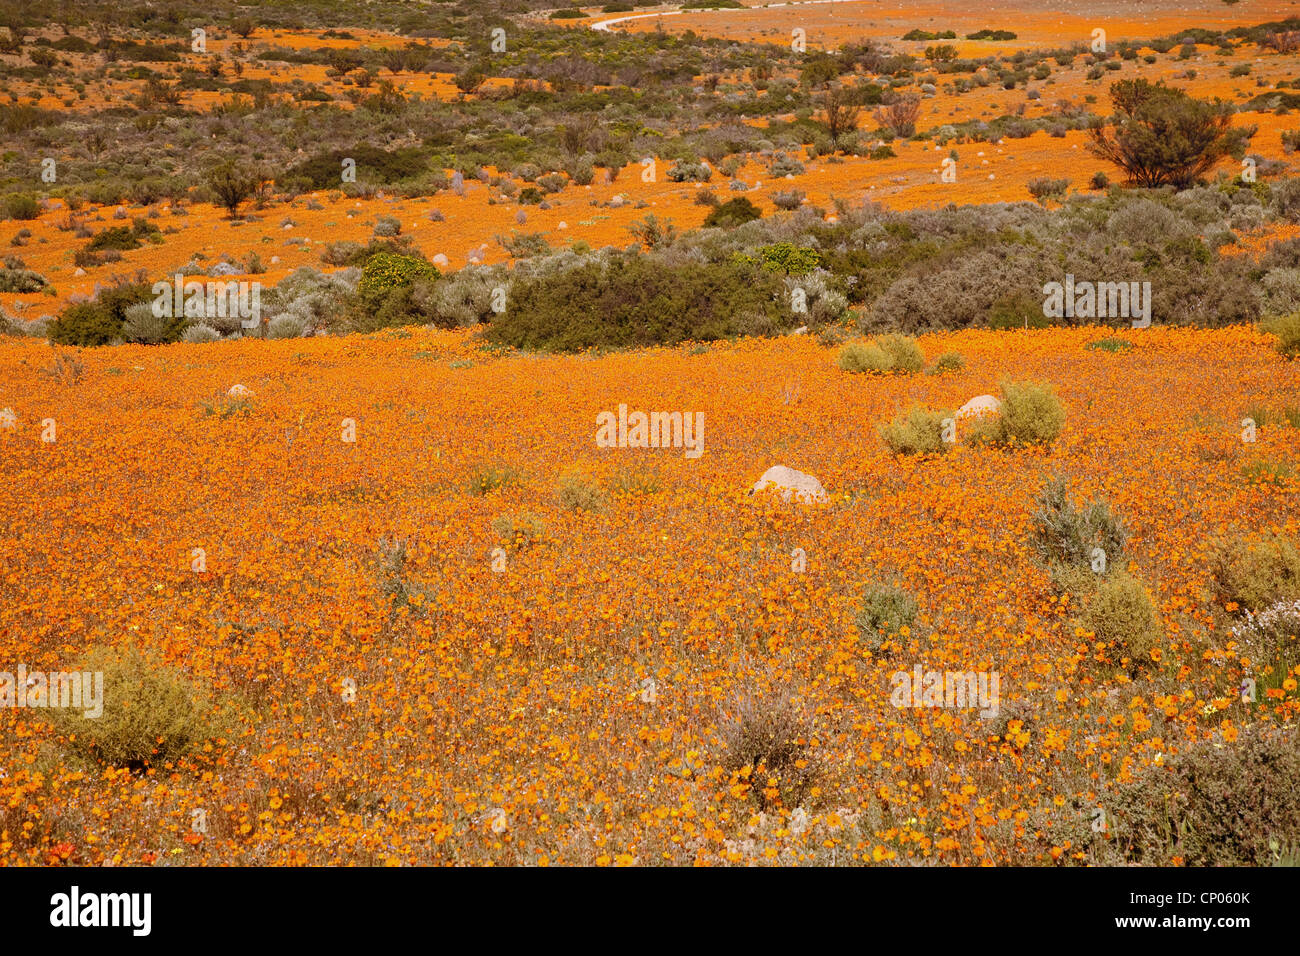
pixel 917 431
pixel 768 744
pixel 152 712
pixel 1217 803
pixel 1254 573
pixel 579 493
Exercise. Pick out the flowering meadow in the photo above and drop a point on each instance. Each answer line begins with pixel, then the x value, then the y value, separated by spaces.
pixel 400 607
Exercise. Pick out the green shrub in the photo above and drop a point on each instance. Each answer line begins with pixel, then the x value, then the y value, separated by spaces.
pixel 114 237
pixel 385 272
pixel 1287 330
pixel 857 357
pixel 1031 413
pixel 520 532
pixel 1110 344
pixel 885 611
pixel 373 165
pixel 948 362
pixel 632 301
pixel 1062 535
pixel 1254 573
pixel 98 322
pixel 578 493
pixel 904 354
pixel 152 712
pixel 143 327
pixel 1122 616
pixel 917 432
pixel 21 206
pixel 489 478
pixel 200 334
pixel 1214 803
pixel 21 280
pixel 734 212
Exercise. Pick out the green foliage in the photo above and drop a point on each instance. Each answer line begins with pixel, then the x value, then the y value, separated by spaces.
pixel 635 301
pixel 1253 573
pixel 948 362
pixel 1122 616
pixel 1287 330
pixel 21 206
pixel 917 432
pixel 885 611
pixel 735 212
pixel 98 322
pixel 384 272
pixel 905 355
pixel 152 712
pixel 857 357
pixel 1064 536
pixel 579 493
pixel 783 257
pixel 520 532
pixel 1031 413
pixel 1213 803
pixel 1162 136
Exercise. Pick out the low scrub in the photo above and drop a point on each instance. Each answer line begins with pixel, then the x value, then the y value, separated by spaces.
pixel 633 302
pixel 1253 573
pixel 920 431
pixel 1216 802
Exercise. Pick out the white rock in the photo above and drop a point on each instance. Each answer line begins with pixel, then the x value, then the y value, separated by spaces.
pixel 440 261
pixel 792 484
pixel 978 406
pixel 239 391
pixel 562 225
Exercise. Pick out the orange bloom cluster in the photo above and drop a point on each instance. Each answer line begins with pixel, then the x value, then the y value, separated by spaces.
pixel 568 702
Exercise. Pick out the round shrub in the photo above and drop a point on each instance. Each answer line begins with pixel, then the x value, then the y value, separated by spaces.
pixel 198 334
pixel 857 357
pixel 885 611
pixel 1256 572
pixel 904 354
pixel 1122 615
pixel 152 712
pixel 386 271
pixel 285 326
pixel 917 432
pixel 1031 413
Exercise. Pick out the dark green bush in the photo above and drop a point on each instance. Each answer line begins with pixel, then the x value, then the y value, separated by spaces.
pixel 735 212
pixel 636 301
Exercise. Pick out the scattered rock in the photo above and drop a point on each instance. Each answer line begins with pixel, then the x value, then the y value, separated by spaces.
pixel 239 391
pixel 792 484
pixel 978 406
pixel 79 273
pixel 441 261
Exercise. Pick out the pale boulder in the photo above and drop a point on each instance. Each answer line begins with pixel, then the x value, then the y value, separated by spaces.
pixel 239 391
pixel 979 406
pixel 792 484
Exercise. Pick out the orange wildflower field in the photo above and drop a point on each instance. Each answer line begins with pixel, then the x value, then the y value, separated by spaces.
pixel 399 682
pixel 484 433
